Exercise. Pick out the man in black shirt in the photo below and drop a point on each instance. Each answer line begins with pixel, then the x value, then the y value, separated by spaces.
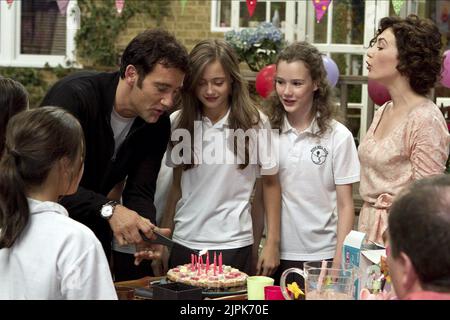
pixel 126 128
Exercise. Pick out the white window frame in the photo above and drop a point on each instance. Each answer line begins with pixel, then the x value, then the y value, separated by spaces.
pixel 289 14
pixel 10 19
pixel 374 11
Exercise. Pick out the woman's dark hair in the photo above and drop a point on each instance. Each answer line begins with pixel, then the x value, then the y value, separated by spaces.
pixel 419 50
pixel 13 99
pixel 419 226
pixel 322 100
pixel 35 140
pixel 151 47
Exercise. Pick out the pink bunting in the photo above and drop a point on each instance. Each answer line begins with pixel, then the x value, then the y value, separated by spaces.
pixel 62 5
pixel 321 7
pixel 251 6
pixel 119 5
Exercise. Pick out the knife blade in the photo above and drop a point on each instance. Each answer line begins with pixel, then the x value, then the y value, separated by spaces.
pixel 160 239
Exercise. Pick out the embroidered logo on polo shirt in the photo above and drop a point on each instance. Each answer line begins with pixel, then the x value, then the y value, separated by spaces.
pixel 319 155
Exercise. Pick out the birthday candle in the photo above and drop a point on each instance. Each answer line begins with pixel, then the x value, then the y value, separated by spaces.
pixel 192 262
pixel 215 263
pixel 207 262
pixel 220 263
pixel 201 262
pixel 195 262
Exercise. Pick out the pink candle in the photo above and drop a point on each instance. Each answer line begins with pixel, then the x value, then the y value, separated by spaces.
pixel 207 262
pixel 198 268
pixel 215 263
pixel 201 262
pixel 192 262
pixel 220 263
pixel 195 262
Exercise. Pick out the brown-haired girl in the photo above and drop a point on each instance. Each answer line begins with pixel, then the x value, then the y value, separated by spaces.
pixel 44 254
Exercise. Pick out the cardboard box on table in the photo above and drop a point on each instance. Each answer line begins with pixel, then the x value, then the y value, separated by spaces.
pixel 362 255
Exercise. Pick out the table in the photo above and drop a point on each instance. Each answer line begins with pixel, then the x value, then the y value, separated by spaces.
pixel 146 283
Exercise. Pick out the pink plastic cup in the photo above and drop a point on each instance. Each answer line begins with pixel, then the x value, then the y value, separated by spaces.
pixel 273 293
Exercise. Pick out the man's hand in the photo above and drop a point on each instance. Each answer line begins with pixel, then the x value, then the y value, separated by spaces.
pixel 126 223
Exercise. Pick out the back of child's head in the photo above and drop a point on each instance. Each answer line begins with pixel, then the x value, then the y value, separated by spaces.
pixel 13 99
pixel 35 140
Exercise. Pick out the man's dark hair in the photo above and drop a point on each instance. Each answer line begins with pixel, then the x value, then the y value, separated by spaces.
pixel 419 226
pixel 151 47
pixel 419 50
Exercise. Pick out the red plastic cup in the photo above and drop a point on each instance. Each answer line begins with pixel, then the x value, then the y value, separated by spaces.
pixel 273 293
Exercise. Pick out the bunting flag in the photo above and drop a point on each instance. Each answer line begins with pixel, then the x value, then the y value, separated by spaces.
pixel 9 2
pixel 321 7
pixel 119 6
pixel 251 6
pixel 62 5
pixel 397 4
pixel 183 4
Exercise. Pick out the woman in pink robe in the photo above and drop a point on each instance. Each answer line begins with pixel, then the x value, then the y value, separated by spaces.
pixel 408 138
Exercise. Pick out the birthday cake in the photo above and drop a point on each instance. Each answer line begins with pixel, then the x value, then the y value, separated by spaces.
pixel 228 277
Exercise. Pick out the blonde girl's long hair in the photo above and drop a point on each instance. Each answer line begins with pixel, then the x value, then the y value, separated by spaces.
pixel 243 111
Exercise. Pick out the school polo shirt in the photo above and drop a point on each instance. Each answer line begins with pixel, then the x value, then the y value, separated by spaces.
pixel 214 210
pixel 310 168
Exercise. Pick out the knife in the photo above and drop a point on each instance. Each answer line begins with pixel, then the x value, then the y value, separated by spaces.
pixel 160 239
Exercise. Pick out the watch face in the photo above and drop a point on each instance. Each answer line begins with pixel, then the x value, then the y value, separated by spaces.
pixel 107 211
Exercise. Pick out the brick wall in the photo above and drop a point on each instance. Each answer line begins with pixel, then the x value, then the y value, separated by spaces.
pixel 191 26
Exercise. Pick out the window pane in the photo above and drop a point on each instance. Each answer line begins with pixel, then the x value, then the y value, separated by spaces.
pixel 224 13
pixel 279 21
pixel 348 22
pixel 43 28
pixel 259 15
pixel 350 64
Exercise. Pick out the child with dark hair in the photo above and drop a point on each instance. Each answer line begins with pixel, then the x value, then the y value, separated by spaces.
pixel 318 160
pixel 44 254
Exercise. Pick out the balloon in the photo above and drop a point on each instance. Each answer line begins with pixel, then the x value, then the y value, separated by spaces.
pixel 264 80
pixel 332 70
pixel 445 70
pixel 378 93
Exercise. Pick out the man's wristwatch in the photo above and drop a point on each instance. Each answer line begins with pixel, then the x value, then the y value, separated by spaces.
pixel 108 209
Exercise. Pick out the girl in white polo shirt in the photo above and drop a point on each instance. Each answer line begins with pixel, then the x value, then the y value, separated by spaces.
pixel 44 254
pixel 318 161
pixel 209 205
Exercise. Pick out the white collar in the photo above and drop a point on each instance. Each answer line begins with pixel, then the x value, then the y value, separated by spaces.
pixel 219 124
pixel 37 207
pixel 313 127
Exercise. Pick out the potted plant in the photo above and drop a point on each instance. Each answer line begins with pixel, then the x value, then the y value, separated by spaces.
pixel 258 47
